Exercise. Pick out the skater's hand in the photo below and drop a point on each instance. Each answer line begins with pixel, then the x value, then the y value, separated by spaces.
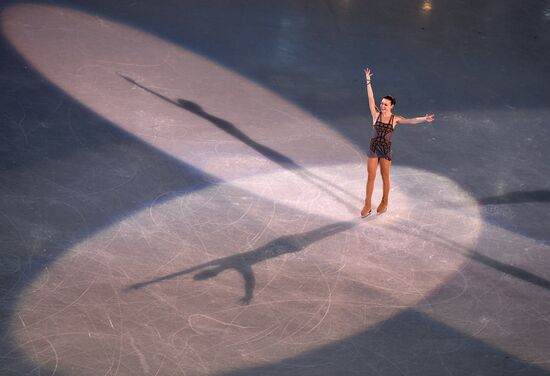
pixel 430 118
pixel 368 74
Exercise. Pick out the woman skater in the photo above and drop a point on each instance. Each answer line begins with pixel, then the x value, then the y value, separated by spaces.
pixel 384 122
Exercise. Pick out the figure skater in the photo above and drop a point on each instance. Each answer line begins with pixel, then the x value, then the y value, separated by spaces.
pixel 380 151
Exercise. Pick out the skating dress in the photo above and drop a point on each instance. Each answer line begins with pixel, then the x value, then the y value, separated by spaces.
pixel 380 143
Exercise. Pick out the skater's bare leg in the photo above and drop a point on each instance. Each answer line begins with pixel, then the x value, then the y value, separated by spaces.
pixel 372 164
pixel 385 173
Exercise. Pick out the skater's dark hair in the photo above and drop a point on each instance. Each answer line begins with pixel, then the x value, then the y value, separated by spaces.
pixel 391 99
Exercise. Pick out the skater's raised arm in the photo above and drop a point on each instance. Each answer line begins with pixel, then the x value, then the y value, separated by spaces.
pixel 370 94
pixel 416 120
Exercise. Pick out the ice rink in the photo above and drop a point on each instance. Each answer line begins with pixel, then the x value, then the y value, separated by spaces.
pixel 181 183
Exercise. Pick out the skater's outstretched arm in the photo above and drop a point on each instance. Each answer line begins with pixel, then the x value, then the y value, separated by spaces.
pixel 416 120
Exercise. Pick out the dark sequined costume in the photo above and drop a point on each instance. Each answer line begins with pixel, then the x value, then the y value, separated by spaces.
pixel 380 143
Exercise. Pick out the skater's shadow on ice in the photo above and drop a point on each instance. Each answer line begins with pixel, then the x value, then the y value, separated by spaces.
pixel 243 262
pixel 326 186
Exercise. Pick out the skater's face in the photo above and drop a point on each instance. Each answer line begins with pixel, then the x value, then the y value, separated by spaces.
pixel 385 105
